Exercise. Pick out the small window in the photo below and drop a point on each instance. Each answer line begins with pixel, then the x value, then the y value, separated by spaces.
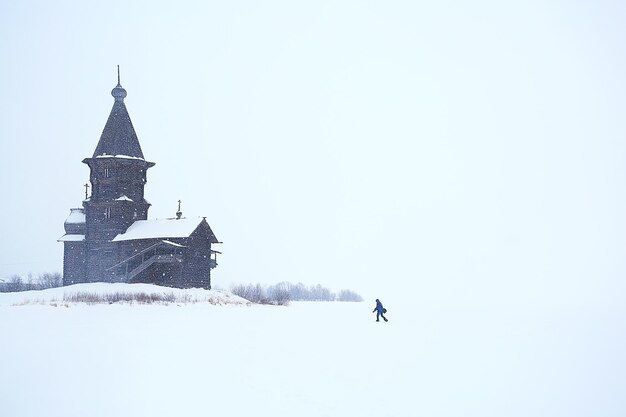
pixel 107 213
pixel 107 173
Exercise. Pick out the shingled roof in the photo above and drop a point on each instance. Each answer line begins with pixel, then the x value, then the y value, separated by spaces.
pixel 118 136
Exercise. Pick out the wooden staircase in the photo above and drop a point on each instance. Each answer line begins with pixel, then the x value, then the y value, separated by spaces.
pixel 161 252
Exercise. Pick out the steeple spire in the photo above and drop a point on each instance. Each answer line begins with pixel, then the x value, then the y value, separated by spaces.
pixel 118 92
pixel 118 136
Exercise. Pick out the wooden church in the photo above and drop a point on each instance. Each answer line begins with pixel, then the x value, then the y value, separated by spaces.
pixel 110 238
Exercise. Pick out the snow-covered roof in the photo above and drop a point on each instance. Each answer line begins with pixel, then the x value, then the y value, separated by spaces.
pixel 160 228
pixel 123 198
pixel 118 156
pixel 77 216
pixel 71 238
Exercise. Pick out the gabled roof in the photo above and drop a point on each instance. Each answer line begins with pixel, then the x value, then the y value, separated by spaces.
pixel 166 228
pixel 118 136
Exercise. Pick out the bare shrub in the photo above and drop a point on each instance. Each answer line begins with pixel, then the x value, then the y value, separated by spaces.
pixel 121 297
pixel 171 298
pixel 83 297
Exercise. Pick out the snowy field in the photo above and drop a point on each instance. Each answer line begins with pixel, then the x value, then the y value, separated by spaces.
pixel 217 356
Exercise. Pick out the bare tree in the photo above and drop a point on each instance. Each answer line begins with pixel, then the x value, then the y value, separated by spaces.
pixel 50 280
pixel 15 284
pixel 46 280
pixel 250 292
pixel 279 294
pixel 257 294
pixel 283 292
pixel 347 295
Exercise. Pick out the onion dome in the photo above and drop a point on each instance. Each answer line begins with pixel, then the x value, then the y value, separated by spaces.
pixel 75 222
pixel 119 93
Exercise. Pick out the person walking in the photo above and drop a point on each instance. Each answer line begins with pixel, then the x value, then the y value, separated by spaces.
pixel 380 310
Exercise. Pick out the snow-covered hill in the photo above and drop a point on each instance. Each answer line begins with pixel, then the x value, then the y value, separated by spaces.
pixel 309 359
pixel 118 292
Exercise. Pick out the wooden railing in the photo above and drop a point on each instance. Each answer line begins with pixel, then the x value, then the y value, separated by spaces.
pixel 147 257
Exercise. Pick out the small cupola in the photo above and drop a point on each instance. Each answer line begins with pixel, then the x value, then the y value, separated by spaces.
pixel 118 92
pixel 179 213
pixel 75 222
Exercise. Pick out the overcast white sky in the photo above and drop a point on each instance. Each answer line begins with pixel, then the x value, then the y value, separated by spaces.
pixel 458 150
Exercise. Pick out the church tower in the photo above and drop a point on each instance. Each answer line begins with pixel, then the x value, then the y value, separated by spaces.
pixel 118 176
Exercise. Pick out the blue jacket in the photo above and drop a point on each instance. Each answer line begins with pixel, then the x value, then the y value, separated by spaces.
pixel 379 307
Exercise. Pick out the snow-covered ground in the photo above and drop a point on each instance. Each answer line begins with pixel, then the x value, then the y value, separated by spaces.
pixel 64 296
pixel 308 359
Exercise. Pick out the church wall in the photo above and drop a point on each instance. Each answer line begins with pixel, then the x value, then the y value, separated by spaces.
pixel 100 257
pixel 73 263
pixel 197 265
